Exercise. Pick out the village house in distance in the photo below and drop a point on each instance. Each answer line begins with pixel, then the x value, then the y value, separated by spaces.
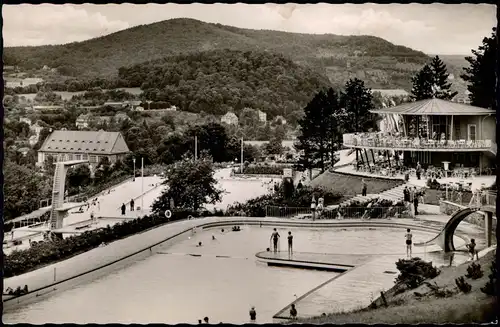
pixel 434 133
pixel 229 118
pixel 83 145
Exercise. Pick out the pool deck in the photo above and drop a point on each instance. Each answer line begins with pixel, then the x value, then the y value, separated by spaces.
pixel 357 287
pixel 354 289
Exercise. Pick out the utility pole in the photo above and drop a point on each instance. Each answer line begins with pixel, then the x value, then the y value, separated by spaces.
pixel 195 148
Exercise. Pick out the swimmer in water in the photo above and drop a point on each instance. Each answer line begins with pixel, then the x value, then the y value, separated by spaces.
pixel 199 244
pixel 213 237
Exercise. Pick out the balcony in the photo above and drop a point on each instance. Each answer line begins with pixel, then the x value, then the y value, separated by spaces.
pixel 381 141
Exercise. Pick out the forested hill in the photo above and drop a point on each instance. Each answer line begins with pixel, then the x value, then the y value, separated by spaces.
pixel 218 81
pixel 379 63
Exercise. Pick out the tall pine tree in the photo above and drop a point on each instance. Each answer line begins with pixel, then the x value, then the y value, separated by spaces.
pixel 357 103
pixel 432 82
pixel 481 73
pixel 441 75
pixel 315 139
pixel 422 84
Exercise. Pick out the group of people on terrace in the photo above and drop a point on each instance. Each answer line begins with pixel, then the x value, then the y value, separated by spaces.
pixel 396 168
pixel 398 140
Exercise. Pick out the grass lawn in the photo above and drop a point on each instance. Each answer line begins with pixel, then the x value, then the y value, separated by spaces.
pixel 406 308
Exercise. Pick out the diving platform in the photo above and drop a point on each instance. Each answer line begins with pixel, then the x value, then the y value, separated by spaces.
pixel 309 260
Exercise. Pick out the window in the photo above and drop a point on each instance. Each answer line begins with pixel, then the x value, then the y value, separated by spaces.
pixel 78 157
pixel 85 156
pixel 69 156
pixel 471 132
pixel 93 159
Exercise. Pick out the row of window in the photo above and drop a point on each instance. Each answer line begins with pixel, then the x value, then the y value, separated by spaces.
pixel 69 156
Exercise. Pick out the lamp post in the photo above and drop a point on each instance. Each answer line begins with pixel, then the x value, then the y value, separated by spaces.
pixel 133 179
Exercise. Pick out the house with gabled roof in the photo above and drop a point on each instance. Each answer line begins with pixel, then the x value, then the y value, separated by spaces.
pixel 83 145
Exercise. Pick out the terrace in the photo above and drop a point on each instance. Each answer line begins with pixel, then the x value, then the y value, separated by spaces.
pixel 399 142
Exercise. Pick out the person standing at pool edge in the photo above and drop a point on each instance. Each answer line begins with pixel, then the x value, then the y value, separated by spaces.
pixel 253 314
pixel 408 237
pixel 275 236
pixel 290 243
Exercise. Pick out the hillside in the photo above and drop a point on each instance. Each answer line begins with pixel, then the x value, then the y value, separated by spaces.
pixel 379 63
pixel 219 81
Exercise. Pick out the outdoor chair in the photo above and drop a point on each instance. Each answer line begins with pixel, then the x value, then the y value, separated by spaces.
pixel 461 143
pixel 451 143
pixel 470 144
pixel 487 143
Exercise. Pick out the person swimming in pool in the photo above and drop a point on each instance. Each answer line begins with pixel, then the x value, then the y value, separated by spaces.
pixel 275 237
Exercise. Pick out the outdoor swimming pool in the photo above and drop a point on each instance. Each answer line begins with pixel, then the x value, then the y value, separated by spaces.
pixel 181 288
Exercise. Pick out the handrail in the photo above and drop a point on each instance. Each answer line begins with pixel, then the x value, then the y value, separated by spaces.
pixel 376 140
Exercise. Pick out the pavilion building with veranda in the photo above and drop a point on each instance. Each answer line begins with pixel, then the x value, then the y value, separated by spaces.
pixel 433 132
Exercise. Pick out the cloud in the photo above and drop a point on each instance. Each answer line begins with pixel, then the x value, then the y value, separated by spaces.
pixel 429 28
pixel 54 24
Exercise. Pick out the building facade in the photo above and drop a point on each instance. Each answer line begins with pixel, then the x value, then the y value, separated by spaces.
pixel 83 145
pixel 434 133
pixel 262 116
pixel 230 118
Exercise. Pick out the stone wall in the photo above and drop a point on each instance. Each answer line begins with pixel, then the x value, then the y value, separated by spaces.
pixel 475 218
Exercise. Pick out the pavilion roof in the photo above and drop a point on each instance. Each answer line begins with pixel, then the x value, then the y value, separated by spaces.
pixel 436 107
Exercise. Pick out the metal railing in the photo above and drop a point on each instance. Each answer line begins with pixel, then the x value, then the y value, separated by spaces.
pixel 377 140
pixel 483 198
pixel 338 213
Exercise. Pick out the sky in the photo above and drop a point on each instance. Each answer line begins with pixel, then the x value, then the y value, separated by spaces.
pixel 432 28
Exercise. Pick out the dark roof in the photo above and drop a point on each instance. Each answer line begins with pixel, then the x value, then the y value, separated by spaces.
pixel 435 107
pixel 85 142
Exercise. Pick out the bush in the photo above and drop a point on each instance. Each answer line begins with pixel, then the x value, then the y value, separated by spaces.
pixel 474 271
pixel 301 197
pixel 414 271
pixel 463 285
pixel 489 287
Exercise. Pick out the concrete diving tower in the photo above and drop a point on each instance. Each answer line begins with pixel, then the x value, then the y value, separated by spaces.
pixel 58 210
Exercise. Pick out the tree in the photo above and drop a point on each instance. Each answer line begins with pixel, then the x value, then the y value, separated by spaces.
pixel 275 146
pixel 316 130
pixel 23 189
pixel 190 183
pixel 249 117
pixel 441 75
pixel 357 102
pixel 211 137
pixel 432 82
pixel 481 73
pixel 422 84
